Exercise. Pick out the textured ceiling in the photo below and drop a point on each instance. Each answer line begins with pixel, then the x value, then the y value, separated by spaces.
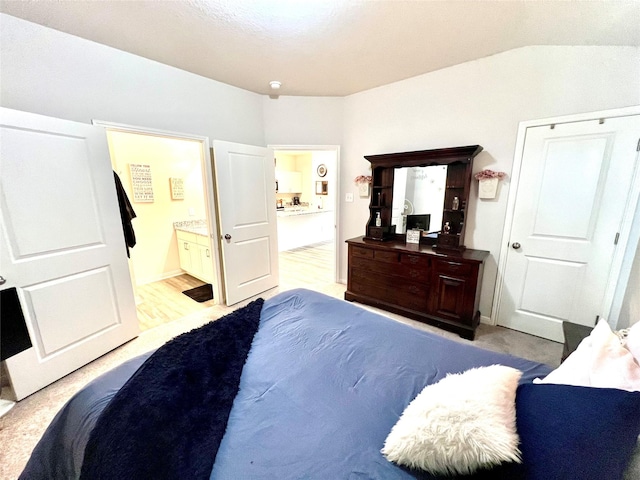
pixel 330 47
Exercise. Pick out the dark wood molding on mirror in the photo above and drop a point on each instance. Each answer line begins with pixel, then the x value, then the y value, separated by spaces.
pixel 459 162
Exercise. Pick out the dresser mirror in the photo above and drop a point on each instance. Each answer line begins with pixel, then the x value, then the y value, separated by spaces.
pixel 418 198
pixel 426 190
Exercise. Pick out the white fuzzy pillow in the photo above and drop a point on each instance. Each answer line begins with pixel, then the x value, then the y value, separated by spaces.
pixel 462 423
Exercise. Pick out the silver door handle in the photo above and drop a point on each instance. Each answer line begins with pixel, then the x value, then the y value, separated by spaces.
pixel 2 281
pixel 227 237
pixel 515 245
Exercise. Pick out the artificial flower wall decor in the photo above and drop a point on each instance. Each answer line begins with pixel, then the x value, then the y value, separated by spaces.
pixel 363 182
pixel 488 183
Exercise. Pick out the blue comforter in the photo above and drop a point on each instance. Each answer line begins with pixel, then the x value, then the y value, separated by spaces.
pixel 322 386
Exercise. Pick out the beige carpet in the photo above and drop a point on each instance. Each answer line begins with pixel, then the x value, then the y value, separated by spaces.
pixel 23 426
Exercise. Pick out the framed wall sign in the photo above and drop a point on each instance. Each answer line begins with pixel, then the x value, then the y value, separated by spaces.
pixel 177 188
pixel 141 182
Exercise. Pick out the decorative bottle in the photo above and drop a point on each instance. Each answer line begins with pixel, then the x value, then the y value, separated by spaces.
pixel 378 220
pixel 455 204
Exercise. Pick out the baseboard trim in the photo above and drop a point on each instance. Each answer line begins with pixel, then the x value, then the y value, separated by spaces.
pixel 486 320
pixel 158 278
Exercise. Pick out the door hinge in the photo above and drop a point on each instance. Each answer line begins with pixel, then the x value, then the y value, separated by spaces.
pixel 638 146
pixel 597 318
pixel 615 241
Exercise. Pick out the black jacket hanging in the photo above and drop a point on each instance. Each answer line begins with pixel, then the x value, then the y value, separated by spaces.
pixel 126 214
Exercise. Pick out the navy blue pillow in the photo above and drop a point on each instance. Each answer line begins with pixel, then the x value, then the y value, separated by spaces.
pixel 580 433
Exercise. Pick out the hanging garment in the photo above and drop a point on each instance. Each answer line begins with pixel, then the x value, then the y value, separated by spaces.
pixel 126 214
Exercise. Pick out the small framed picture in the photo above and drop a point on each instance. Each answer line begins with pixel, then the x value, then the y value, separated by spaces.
pixel 322 188
pixel 413 236
pixel 322 170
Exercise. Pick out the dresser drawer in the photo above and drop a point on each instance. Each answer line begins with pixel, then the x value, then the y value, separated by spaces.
pixel 384 256
pixel 453 268
pixel 415 260
pixel 392 290
pixel 372 266
pixel 359 252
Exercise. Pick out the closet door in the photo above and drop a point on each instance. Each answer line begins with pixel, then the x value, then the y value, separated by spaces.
pixel 574 186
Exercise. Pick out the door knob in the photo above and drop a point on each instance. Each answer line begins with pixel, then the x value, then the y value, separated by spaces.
pixel 515 245
pixel 2 281
pixel 227 237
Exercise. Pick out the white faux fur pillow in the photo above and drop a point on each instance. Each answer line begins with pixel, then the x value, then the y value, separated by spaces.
pixel 462 423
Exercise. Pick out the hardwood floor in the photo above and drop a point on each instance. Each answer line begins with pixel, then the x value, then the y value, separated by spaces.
pixel 308 267
pixel 161 302
pixel 164 301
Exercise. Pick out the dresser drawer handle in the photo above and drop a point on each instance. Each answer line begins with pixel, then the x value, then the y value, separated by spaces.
pixel 413 289
pixel 414 273
pixel 414 260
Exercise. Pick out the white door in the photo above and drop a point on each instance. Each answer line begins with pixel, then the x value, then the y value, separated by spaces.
pixel 574 185
pixel 62 246
pixel 245 179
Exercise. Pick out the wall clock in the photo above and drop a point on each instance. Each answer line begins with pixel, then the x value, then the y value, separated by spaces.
pixel 322 170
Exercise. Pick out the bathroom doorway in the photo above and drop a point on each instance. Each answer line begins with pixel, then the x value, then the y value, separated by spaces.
pixel 163 177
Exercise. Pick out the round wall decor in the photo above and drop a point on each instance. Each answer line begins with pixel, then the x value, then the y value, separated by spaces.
pixel 322 170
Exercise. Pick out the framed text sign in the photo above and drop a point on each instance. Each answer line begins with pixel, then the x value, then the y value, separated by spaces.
pixel 177 188
pixel 141 182
pixel 413 236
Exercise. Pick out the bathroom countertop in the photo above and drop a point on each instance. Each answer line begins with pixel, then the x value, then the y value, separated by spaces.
pixel 199 227
pixel 293 212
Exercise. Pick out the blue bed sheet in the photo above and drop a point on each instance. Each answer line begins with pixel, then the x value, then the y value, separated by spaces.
pixel 324 382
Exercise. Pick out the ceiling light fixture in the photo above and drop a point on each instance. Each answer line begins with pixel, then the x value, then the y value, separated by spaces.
pixel 275 85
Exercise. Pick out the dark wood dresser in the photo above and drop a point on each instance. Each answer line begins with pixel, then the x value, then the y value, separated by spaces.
pixel 436 287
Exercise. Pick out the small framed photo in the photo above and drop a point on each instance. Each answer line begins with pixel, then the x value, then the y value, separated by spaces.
pixel 322 170
pixel 322 188
pixel 413 236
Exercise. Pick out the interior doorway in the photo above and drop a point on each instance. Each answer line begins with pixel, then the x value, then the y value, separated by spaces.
pixel 306 204
pixel 164 180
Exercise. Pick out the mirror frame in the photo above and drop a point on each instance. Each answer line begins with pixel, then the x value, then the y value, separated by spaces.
pixel 459 161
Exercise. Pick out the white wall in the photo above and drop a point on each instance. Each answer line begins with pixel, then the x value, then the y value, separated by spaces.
pixel 479 102
pixel 52 73
pixel 303 120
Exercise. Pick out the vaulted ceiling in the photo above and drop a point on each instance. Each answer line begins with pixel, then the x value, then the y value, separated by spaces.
pixel 330 47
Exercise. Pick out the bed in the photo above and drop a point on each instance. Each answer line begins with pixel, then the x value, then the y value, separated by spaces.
pixel 303 385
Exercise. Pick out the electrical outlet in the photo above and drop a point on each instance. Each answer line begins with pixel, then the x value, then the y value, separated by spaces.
pixel 348 197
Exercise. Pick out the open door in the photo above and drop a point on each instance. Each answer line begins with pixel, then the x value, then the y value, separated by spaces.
pixel 62 246
pixel 245 180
